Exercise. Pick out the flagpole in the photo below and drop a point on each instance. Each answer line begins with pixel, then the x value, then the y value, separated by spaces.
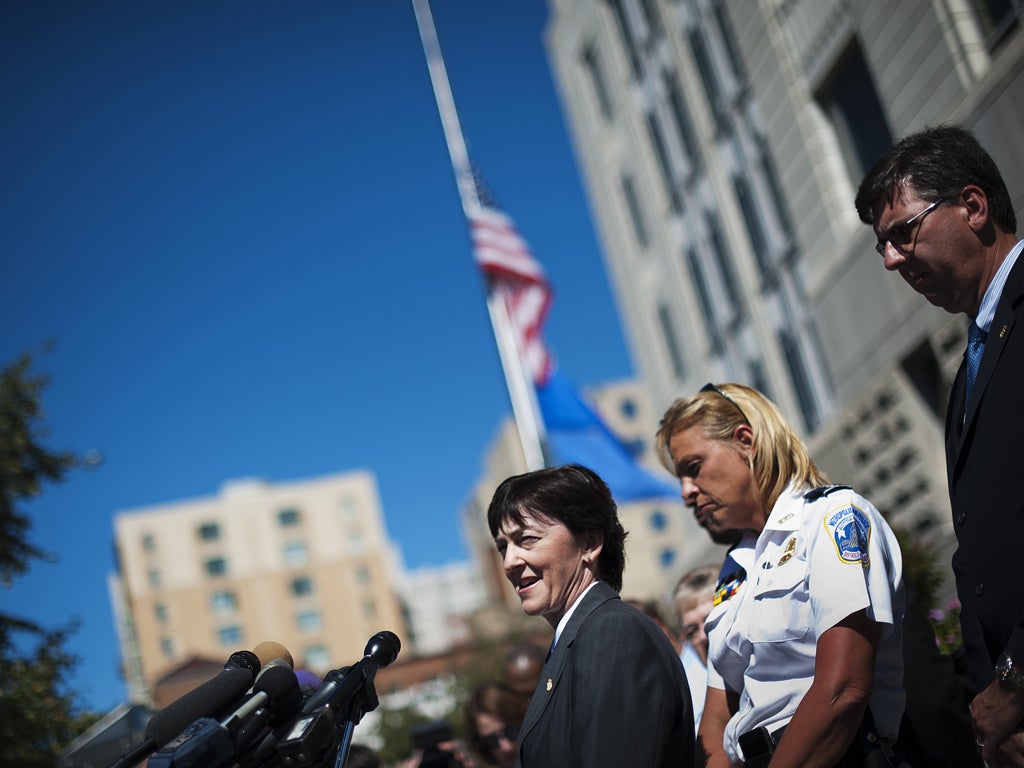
pixel 525 408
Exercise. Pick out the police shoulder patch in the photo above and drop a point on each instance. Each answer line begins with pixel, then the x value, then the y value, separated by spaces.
pixel 851 533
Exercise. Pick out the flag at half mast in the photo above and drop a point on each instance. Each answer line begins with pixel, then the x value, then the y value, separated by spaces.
pixel 574 433
pixel 514 275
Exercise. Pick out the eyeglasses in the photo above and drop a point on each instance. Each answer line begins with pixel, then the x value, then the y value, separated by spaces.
pixel 902 234
pixel 492 741
pixel 709 387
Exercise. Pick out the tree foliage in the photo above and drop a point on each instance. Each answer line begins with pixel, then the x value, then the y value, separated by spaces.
pixel 25 464
pixel 39 714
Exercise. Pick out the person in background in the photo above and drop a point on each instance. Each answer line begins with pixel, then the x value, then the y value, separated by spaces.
pixel 612 692
pixel 804 655
pixel 945 221
pixel 650 609
pixel 692 600
pixel 493 715
pixel 522 666
pixel 361 756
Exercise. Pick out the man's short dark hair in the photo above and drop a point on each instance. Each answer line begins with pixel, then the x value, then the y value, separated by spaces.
pixel 572 495
pixel 937 163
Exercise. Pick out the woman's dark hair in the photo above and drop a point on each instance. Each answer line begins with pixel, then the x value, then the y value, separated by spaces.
pixel 573 496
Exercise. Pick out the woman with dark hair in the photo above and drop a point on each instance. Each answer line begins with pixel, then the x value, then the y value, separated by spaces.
pixel 493 715
pixel 613 691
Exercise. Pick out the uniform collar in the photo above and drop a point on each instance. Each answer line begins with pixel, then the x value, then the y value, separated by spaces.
pixel 785 515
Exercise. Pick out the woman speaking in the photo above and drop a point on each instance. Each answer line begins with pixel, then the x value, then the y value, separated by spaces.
pixel 612 692
pixel 804 652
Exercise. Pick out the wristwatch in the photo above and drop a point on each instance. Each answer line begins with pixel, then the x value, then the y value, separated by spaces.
pixel 1008 673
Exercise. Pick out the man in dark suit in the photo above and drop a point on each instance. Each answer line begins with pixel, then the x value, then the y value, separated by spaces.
pixel 612 692
pixel 945 221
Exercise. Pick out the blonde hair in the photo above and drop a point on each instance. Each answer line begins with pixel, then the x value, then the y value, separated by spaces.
pixel 779 456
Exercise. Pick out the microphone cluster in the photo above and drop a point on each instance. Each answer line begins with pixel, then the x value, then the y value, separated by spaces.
pixel 259 713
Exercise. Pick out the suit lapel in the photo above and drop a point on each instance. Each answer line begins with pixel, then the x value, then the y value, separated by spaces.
pixel 555 665
pixel 998 334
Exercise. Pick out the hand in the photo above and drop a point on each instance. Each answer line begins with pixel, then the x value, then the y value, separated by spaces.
pixel 997 711
pixel 1011 750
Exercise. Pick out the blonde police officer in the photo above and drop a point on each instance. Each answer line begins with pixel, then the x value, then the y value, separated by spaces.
pixel 805 664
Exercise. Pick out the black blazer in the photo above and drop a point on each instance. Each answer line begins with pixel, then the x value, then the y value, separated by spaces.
pixel 985 468
pixel 612 693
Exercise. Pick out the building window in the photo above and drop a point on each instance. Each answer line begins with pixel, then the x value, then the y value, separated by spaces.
pixel 216 566
pixel 850 101
pixel 148 542
pixel 636 217
pixel 223 601
pixel 800 380
pixel 651 19
pixel 295 553
pixel 154 577
pixel 729 40
pixel 167 647
pixel 681 118
pixel 626 33
pixel 595 72
pixel 707 308
pixel 658 521
pixel 288 518
pixel 664 164
pixel 705 67
pixel 349 508
pixel 316 657
pixel 160 611
pixel 362 575
pixel 667 557
pixel 997 19
pixel 229 636
pixel 209 531
pixel 755 228
pixel 725 269
pixel 628 409
pixel 308 621
pixel 356 542
pixel 302 586
pixel 668 334
pixel 369 609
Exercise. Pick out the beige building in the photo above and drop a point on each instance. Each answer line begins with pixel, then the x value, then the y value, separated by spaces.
pixel 307 564
pixel 721 145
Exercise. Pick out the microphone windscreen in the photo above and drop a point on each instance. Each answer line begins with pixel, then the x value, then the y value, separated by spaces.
pixel 208 700
pixel 268 651
pixel 307 678
pixel 244 660
pixel 282 687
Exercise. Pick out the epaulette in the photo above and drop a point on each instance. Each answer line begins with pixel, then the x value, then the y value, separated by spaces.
pixel 816 493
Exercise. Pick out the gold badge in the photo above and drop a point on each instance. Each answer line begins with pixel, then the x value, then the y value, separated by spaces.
pixel 550 685
pixel 787 553
pixel 1002 332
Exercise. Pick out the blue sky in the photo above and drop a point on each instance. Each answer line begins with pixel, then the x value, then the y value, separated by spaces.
pixel 238 224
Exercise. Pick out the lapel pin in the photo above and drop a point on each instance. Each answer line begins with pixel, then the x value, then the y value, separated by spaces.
pixel 550 685
pixel 1002 332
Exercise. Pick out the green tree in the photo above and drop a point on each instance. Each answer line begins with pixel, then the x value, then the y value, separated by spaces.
pixel 39 713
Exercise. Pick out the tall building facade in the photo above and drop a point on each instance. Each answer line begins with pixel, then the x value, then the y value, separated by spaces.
pixel 721 145
pixel 307 564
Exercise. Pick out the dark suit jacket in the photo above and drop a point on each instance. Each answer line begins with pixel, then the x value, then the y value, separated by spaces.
pixel 985 466
pixel 612 693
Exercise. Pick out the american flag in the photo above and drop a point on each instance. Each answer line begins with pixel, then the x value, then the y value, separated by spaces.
pixel 515 275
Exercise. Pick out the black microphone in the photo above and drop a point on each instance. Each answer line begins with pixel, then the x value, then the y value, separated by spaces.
pixel 210 699
pixel 210 744
pixel 312 732
pixel 340 684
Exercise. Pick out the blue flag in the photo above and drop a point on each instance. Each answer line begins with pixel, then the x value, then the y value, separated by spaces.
pixel 577 435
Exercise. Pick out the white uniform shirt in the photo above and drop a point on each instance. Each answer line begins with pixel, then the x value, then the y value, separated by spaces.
pixel 815 563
